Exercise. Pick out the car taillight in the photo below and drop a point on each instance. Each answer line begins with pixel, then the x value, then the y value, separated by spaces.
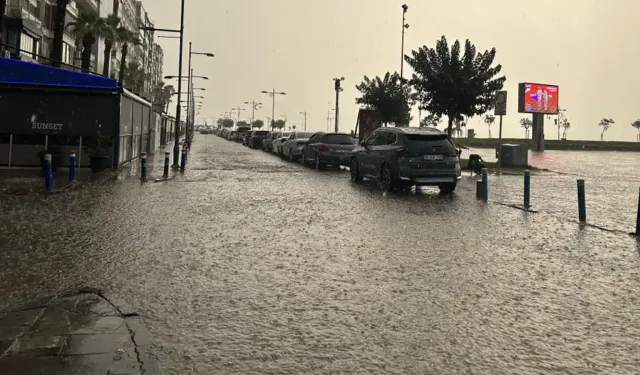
pixel 324 148
pixel 453 154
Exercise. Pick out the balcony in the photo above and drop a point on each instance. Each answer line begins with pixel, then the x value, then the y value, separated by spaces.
pixel 28 19
pixel 88 5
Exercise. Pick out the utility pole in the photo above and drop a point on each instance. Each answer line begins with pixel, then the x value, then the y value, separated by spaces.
pixel 176 141
pixel 404 27
pixel 337 87
pixel 305 114
pixel 254 106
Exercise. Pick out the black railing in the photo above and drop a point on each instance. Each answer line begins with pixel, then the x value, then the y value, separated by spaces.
pixel 15 53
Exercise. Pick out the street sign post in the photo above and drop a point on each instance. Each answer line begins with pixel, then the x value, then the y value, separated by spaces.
pixel 500 110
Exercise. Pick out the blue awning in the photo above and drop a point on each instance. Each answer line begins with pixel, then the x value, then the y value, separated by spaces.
pixel 22 72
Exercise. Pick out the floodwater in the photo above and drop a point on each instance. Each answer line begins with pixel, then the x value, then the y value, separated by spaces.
pixel 251 265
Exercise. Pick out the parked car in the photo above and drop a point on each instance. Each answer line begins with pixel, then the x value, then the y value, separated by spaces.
pixel 245 138
pixel 267 142
pixel 232 135
pixel 399 157
pixel 292 147
pixel 278 142
pixel 241 132
pixel 257 137
pixel 328 148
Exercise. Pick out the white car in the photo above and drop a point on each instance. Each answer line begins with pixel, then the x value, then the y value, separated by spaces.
pixel 292 147
pixel 277 143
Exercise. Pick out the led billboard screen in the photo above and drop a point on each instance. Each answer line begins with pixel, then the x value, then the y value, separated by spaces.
pixel 538 98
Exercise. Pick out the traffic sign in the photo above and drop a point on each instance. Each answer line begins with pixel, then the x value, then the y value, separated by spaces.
pixel 501 103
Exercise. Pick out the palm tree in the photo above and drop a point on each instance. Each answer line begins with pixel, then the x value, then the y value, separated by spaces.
pixel 489 120
pixel 565 124
pixel 58 32
pixel 112 23
pixel 526 124
pixel 88 27
pixel 606 124
pixel 125 37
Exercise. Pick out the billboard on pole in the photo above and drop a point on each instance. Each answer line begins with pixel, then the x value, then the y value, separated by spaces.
pixel 538 98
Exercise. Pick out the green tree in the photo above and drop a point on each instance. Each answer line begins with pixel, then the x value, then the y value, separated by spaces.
pixel 606 124
pixel 278 124
pixel 112 28
pixel 388 96
pixel 489 120
pixel 135 77
pixel 526 124
pixel 125 37
pixel 565 125
pixel 227 123
pixel 449 84
pixel 430 120
pixel 58 32
pixel 258 124
pixel 88 27
pixel 162 94
pixel 242 124
pixel 636 124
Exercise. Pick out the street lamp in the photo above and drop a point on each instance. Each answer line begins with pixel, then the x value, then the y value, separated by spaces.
pixel 273 94
pixel 184 77
pixel 337 87
pixel 238 110
pixel 254 106
pixel 190 82
pixel 305 114
pixel 404 27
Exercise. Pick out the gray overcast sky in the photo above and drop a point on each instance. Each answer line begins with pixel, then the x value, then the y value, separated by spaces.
pixel 587 47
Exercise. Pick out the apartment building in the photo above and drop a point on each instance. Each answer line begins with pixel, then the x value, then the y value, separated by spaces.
pixel 29 28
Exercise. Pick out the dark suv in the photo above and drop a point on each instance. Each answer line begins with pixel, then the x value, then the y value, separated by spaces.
pixel 399 157
pixel 255 141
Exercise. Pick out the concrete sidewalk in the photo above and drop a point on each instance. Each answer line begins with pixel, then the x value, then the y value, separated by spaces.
pixel 79 332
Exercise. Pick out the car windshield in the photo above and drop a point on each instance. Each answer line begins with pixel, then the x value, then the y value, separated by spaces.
pixel 438 143
pixel 337 139
pixel 304 135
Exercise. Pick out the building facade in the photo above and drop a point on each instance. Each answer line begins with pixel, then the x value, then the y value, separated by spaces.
pixel 29 26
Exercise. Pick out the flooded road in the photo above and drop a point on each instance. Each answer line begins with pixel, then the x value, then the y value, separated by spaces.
pixel 252 265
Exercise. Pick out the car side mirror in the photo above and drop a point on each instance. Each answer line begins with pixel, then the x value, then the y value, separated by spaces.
pixel 363 143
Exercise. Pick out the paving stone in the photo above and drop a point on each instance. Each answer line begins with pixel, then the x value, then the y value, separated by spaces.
pixel 41 346
pixel 32 366
pixel 54 322
pixel 104 308
pixel 97 344
pixel 38 303
pixel 97 324
pixel 149 361
pixel 19 318
pixel 124 363
pixel 141 336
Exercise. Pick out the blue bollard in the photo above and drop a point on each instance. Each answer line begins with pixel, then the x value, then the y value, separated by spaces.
pixel 183 162
pixel 72 167
pixel 485 185
pixel 166 165
pixel 48 177
pixel 582 209
pixel 143 166
pixel 527 190
pixel 638 217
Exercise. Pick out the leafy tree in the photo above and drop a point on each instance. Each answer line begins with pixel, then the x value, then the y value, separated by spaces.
pixel 258 124
pixel 89 27
pixel 430 120
pixel 489 120
pixel 526 123
pixel 227 123
pixel 606 124
pixel 125 37
pixel 242 124
pixel 565 125
pixel 219 122
pixel 278 124
pixel 636 124
pixel 112 29
pixel 135 77
pixel 58 32
pixel 162 94
pixel 449 84
pixel 388 96
pixel 459 124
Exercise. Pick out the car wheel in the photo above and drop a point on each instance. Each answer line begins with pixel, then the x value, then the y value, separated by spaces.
pixel 318 163
pixel 447 188
pixel 291 156
pixel 385 179
pixel 355 172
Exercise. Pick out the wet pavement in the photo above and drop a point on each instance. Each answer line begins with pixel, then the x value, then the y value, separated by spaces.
pixel 78 332
pixel 251 265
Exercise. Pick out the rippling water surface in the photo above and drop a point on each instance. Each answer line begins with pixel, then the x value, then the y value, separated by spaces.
pixel 251 265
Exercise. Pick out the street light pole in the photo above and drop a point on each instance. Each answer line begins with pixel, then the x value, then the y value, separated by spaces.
pixel 273 94
pixel 189 80
pixel 176 143
pixel 254 106
pixel 305 119
pixel 338 89
pixel 404 27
